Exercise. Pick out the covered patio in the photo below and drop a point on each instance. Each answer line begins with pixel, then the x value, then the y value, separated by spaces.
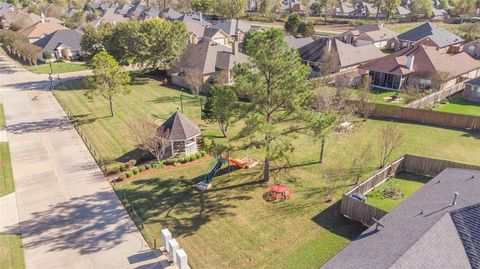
pixel 387 81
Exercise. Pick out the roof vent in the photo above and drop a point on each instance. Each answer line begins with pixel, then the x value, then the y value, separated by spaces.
pixel 454 202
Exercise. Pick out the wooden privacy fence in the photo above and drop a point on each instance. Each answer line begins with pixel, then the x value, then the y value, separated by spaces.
pixel 436 96
pixel 365 213
pixel 416 115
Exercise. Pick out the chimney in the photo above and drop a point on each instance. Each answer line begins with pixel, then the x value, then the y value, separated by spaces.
pixel 454 202
pixel 410 61
pixel 329 44
pixel 200 15
pixel 235 48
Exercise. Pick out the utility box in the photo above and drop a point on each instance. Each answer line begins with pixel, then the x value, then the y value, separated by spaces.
pixel 173 246
pixel 181 257
pixel 166 236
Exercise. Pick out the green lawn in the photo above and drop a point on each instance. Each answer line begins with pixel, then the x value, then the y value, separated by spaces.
pixel 459 105
pixel 2 116
pixel 231 226
pixel 6 175
pixel 408 183
pixel 380 94
pixel 58 68
pixel 11 252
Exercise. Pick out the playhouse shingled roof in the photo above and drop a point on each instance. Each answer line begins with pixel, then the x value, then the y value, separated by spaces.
pixel 178 127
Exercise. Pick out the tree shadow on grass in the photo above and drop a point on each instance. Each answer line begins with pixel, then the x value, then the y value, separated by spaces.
pixel 331 220
pixel 176 204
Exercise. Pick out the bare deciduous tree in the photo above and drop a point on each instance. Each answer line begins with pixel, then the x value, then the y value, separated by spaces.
pixel 194 79
pixel 366 104
pixel 148 137
pixel 389 139
pixel 361 161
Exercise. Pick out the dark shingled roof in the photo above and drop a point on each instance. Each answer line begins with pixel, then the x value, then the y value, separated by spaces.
pixel 424 231
pixel 440 36
pixel 70 38
pixel 467 221
pixel 178 127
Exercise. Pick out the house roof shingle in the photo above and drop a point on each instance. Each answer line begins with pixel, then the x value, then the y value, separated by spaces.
pixel 178 127
pixel 297 43
pixel 427 61
pixel 40 29
pixel 68 37
pixel 424 231
pixel 440 36
pixel 467 222
pixel 232 27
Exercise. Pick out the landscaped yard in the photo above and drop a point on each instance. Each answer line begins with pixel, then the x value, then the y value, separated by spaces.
pixel 231 226
pixel 459 105
pixel 58 68
pixel 11 252
pixel 380 95
pixel 6 176
pixel 406 182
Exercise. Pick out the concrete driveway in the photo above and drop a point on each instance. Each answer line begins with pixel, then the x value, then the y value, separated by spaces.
pixel 69 215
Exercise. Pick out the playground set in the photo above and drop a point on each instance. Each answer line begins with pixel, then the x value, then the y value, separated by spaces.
pixel 217 164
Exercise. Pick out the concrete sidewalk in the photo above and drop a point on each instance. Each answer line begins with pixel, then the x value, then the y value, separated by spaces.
pixel 69 215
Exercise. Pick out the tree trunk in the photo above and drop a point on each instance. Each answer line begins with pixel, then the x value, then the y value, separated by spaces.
pixel 321 150
pixel 110 101
pixel 378 11
pixel 266 172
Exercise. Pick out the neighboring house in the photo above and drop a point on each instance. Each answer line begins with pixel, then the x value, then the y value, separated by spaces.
pixel 109 15
pixel 17 19
pixel 428 34
pixel 234 28
pixel 368 34
pixel 330 55
pixel 472 90
pixel 433 228
pixel 403 11
pixel 439 14
pixel 179 136
pixel 473 48
pixel 41 29
pixel 171 14
pixel 125 10
pixel 62 44
pixel 357 9
pixel 289 6
pixel 6 8
pixel 210 60
pixel 151 13
pixel 297 43
pixel 421 66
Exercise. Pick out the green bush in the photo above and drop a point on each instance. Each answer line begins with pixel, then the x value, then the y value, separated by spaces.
pixel 136 171
pixel 122 176
pixel 182 160
pixel 129 173
pixel 193 157
pixel 123 167
pixel 148 166
pixel 198 155
pixel 115 170
pixel 203 152
pixel 169 162
pixel 176 164
pixel 141 168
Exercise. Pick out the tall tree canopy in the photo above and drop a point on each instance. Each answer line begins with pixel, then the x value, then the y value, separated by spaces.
pixel 281 97
pixel 229 9
pixel 108 79
pixel 155 43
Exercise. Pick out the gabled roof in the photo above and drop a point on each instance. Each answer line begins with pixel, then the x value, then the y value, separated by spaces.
pixel 425 231
pixel 178 127
pixel 440 36
pixel 297 43
pixel 403 10
pixel 427 61
pixel 207 56
pixel 170 14
pixel 40 29
pixel 232 27
pixel 68 37
pixel 374 31
pixel 348 55
pixel 472 43
pixel 125 9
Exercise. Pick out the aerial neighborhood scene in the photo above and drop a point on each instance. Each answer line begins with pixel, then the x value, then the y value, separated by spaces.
pixel 239 134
